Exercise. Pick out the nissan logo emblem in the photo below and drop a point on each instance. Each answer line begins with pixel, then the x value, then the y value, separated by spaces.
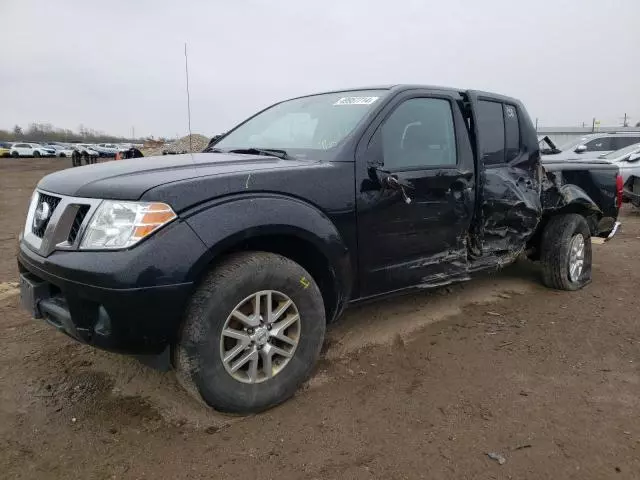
pixel 42 214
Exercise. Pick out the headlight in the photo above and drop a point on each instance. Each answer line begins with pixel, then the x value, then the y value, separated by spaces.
pixel 123 224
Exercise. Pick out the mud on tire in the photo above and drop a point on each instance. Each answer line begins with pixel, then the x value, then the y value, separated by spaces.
pixel 197 355
pixel 555 253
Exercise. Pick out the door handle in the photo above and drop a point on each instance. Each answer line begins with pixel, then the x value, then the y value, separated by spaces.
pixel 394 183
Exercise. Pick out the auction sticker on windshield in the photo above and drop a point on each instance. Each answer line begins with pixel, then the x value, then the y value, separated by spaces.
pixel 356 100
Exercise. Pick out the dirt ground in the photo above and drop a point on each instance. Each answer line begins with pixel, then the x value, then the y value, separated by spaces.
pixel 422 386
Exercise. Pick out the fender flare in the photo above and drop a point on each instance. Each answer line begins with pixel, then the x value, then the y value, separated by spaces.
pixel 570 195
pixel 226 222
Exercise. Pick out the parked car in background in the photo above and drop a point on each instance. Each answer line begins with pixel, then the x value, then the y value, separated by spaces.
pixel 83 152
pixel 5 149
pixel 594 145
pixel 62 151
pixel 107 149
pixel 627 160
pixel 31 150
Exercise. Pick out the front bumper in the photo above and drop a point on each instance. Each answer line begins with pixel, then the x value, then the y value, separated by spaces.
pixel 129 301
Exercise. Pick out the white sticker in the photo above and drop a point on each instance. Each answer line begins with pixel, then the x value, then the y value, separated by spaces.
pixel 356 100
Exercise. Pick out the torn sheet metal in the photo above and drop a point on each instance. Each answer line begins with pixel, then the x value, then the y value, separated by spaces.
pixel 510 211
pixel 516 199
pixel 590 185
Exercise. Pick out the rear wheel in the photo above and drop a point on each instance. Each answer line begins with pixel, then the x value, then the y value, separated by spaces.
pixel 252 334
pixel 15 154
pixel 566 252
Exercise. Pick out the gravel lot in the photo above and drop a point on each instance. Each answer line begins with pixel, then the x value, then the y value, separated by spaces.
pixel 422 386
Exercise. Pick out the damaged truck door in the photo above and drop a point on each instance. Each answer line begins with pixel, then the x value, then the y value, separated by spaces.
pixel 415 193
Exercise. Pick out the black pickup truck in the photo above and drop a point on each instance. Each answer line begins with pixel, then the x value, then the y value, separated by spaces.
pixel 229 263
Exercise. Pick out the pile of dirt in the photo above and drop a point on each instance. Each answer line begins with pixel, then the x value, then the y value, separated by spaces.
pixel 197 143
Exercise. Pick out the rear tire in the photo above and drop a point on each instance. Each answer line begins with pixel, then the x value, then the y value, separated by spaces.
pixel 15 155
pixel 202 351
pixel 566 252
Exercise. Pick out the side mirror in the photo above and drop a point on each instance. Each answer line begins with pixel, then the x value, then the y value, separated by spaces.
pixel 581 149
pixel 634 157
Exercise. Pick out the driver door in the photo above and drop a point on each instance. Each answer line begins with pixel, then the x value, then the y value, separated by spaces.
pixel 415 194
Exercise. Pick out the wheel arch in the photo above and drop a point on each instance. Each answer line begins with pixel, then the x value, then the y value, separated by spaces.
pixel 582 205
pixel 281 225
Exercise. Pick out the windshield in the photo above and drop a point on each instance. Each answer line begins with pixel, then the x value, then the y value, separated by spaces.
pixel 318 122
pixel 623 152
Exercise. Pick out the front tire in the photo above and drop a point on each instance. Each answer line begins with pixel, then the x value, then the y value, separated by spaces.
pixel 566 252
pixel 36 154
pixel 252 334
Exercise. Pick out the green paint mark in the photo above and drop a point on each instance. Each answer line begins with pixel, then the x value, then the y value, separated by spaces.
pixel 304 282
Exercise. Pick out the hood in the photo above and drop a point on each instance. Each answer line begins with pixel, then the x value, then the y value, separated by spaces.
pixel 130 179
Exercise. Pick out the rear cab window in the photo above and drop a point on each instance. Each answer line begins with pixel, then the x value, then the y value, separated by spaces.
pixel 511 132
pixel 499 129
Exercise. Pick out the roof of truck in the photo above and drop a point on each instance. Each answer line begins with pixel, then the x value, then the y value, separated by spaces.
pixel 409 86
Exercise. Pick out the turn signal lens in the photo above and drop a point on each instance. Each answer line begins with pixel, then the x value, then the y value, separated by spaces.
pixel 156 216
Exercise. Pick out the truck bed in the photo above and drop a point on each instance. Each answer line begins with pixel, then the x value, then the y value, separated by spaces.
pixel 586 180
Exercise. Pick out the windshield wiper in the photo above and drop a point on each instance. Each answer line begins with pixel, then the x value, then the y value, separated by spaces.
pixel 272 152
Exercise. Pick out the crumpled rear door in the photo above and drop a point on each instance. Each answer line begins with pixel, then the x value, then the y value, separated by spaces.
pixel 508 206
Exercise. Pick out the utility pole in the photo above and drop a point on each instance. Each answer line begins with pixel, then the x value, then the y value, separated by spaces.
pixel 625 123
pixel 186 71
pixel 536 124
pixel 593 125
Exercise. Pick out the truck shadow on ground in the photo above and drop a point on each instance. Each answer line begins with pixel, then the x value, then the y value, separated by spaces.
pixel 381 322
pixel 69 382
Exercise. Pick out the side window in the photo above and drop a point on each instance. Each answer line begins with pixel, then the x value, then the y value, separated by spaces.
pixel 600 144
pixel 419 133
pixel 511 132
pixel 491 127
pixel 622 142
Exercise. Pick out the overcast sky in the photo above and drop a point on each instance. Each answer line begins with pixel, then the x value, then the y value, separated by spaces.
pixel 111 65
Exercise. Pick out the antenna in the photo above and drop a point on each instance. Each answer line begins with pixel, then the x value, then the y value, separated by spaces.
pixel 186 71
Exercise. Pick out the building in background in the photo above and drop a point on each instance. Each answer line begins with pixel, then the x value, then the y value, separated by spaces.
pixel 563 135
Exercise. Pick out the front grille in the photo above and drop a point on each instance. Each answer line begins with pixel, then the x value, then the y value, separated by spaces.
pixel 77 223
pixel 38 228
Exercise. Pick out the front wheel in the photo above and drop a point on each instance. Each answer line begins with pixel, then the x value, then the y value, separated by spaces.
pixel 36 154
pixel 252 334
pixel 566 252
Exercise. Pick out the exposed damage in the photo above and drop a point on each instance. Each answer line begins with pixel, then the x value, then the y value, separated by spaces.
pixel 632 191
